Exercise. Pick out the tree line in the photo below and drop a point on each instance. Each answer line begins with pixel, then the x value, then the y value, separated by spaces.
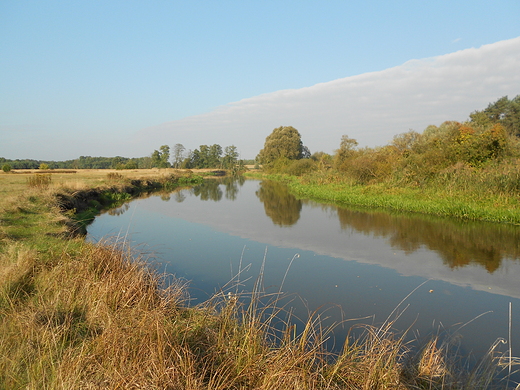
pixel 485 149
pixel 206 156
pixel 83 162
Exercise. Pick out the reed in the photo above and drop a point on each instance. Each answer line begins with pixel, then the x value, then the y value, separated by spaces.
pixel 41 180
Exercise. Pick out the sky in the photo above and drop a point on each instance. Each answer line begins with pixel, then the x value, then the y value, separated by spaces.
pixel 107 78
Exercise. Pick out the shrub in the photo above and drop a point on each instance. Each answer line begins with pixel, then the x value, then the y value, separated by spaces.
pixel 371 165
pixel 39 180
pixel 300 167
pixel 112 176
pixel 6 168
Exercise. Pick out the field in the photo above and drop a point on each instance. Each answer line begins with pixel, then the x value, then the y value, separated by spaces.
pixel 75 315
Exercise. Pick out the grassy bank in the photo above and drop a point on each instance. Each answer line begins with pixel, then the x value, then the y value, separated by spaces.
pixel 77 315
pixel 440 201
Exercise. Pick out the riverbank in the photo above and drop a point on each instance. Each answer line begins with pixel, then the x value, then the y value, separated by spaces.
pixel 434 201
pixel 77 315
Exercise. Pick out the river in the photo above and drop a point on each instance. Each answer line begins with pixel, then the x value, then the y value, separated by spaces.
pixel 353 265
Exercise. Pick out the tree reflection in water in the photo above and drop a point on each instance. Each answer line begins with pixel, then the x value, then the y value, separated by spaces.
pixel 232 184
pixel 119 210
pixel 459 243
pixel 282 207
pixel 210 190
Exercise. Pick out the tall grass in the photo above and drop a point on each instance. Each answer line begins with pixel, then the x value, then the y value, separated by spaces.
pixel 41 180
pixel 104 318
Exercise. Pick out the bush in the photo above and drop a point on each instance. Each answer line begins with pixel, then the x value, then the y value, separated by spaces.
pixel 6 168
pixel 371 165
pixel 112 176
pixel 39 180
pixel 300 167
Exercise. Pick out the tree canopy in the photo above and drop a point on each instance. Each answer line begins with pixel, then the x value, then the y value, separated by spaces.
pixel 283 143
pixel 504 112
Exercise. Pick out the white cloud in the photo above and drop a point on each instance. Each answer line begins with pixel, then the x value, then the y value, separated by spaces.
pixel 371 107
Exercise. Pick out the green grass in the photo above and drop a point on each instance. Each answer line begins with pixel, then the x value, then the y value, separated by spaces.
pixel 434 201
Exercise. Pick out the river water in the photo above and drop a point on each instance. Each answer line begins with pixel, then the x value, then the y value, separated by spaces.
pixel 460 277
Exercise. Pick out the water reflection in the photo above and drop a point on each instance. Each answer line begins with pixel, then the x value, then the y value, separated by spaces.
pixel 211 189
pixel 179 196
pixel 231 185
pixel 119 210
pixel 366 261
pixel 282 207
pixel 458 243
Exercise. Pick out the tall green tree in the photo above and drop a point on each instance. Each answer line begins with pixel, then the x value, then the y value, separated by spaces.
pixel 284 142
pixel 504 111
pixel 214 155
pixel 156 158
pixel 230 158
pixel 161 157
pixel 165 156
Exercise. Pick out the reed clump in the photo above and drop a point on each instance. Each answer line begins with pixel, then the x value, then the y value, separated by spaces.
pixel 40 180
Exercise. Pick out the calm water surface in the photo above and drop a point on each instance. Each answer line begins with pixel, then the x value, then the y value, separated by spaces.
pixel 357 263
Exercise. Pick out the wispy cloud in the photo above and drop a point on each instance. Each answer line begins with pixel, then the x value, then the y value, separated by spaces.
pixel 371 107
pixel 456 40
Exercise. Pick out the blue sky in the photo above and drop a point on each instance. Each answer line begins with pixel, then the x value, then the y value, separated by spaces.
pixel 99 77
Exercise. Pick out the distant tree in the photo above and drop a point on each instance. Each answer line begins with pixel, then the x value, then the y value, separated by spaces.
pixel 44 166
pixel 504 111
pixel 230 159
pixel 6 168
pixel 201 159
pixel 178 153
pixel 324 160
pixel 145 162
pixel 306 153
pixel 345 152
pixel 404 142
pixel 215 152
pixel 165 156
pixel 284 142
pixel 161 157
pixel 131 164
pixel 117 162
pixel 156 159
